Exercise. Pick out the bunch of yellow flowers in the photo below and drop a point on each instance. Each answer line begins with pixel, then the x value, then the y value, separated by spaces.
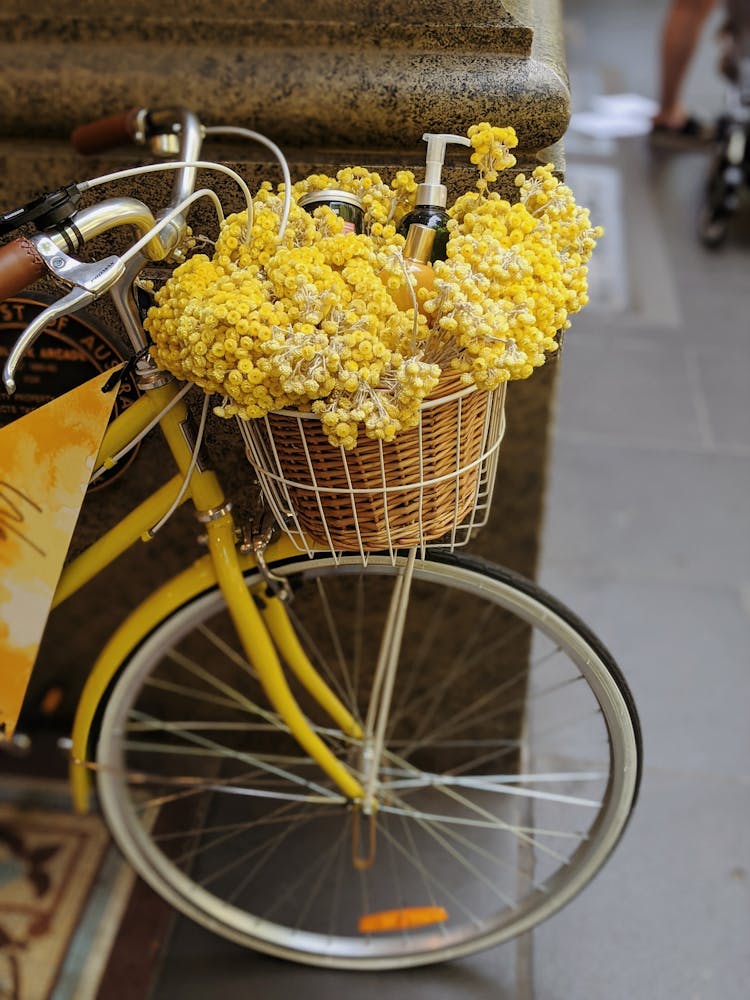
pixel 304 320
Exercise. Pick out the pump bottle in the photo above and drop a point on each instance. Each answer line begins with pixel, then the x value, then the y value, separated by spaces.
pixel 432 196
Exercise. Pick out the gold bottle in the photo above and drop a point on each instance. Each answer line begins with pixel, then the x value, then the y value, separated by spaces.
pixel 417 250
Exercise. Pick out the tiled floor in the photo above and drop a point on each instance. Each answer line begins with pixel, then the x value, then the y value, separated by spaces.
pixel 647 537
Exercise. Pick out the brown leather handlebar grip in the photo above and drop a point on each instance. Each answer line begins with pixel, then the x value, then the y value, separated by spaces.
pixel 106 133
pixel 20 266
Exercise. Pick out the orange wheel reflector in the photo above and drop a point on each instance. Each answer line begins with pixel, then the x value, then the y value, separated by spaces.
pixel 51 701
pixel 402 919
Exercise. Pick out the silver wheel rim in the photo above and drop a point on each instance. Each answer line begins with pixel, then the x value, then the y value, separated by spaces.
pixel 375 951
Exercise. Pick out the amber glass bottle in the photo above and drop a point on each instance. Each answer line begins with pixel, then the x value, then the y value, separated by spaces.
pixel 417 250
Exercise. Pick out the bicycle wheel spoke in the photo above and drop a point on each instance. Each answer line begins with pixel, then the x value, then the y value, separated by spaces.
pixel 228 651
pixel 458 839
pixel 503 749
pixel 248 879
pixel 322 864
pixel 443 892
pixel 204 846
pixel 451 840
pixel 357 642
pixel 241 756
pixel 408 836
pixel 239 699
pixel 346 688
pixel 318 657
pixel 218 725
pixel 189 785
pixel 264 849
pixel 429 637
pixel 503 784
pixel 470 716
pixel 312 894
pixel 336 904
pixel 160 684
pixel 178 750
pixel 481 712
pixel 246 825
pixel 461 669
pixel 478 811
pixel 509 827
pixel 394 878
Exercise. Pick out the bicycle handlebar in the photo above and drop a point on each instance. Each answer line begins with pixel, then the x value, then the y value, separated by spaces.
pixel 21 265
pixel 67 228
pixel 108 133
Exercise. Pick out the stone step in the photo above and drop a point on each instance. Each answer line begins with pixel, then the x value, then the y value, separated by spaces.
pixel 94 17
pixel 324 74
pixel 277 29
pixel 321 97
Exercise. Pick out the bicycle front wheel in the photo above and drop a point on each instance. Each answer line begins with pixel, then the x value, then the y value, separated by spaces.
pixel 511 765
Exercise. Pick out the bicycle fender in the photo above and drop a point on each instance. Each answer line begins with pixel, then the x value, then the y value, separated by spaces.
pixel 133 630
pixel 188 584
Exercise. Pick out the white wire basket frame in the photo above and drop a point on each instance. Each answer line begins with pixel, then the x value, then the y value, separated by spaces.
pixel 268 456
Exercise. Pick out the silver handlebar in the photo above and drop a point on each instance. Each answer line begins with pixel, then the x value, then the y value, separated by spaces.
pixel 114 212
pixel 90 280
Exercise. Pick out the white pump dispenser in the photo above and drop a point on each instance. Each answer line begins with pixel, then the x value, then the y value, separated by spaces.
pixel 432 196
pixel 433 192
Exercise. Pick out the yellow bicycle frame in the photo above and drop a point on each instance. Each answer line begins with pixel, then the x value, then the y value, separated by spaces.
pixel 263 633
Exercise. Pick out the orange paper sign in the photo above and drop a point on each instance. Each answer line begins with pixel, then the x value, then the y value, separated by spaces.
pixel 46 460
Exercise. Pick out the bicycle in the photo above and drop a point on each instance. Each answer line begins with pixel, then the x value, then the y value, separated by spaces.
pixel 729 173
pixel 355 760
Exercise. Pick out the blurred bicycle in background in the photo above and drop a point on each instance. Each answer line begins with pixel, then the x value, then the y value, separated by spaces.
pixel 729 173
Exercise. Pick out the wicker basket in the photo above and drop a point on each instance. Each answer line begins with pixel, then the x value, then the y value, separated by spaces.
pixel 414 490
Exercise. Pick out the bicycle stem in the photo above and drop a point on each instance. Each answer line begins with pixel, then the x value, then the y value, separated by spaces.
pixel 188 127
pixel 191 139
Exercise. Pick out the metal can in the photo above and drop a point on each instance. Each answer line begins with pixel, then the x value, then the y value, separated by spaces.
pixel 343 203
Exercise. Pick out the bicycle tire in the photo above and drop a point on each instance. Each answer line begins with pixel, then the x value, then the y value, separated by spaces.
pixel 713 213
pixel 259 851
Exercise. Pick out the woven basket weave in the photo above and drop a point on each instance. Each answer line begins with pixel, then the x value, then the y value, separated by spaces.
pixel 405 493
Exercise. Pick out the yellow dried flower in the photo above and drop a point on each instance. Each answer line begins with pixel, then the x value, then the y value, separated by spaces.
pixel 304 318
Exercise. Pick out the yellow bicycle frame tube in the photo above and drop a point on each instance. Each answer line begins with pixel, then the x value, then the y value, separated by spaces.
pixel 260 650
pixel 222 566
pixel 204 489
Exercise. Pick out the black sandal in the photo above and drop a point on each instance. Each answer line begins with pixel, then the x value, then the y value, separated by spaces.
pixel 691 133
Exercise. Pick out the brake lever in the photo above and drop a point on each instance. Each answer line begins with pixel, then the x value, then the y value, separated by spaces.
pixel 89 281
pixel 95 277
pixel 70 303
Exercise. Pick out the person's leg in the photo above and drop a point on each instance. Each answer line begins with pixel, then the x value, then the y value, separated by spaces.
pixel 682 29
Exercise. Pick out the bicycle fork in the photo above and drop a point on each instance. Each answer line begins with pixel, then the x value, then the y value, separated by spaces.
pixel 265 633
pixel 260 651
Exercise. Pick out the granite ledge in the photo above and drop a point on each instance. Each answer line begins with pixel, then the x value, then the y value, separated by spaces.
pixel 439 35
pixel 306 97
pixel 359 11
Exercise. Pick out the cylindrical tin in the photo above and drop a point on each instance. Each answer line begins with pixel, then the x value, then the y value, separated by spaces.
pixel 343 203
